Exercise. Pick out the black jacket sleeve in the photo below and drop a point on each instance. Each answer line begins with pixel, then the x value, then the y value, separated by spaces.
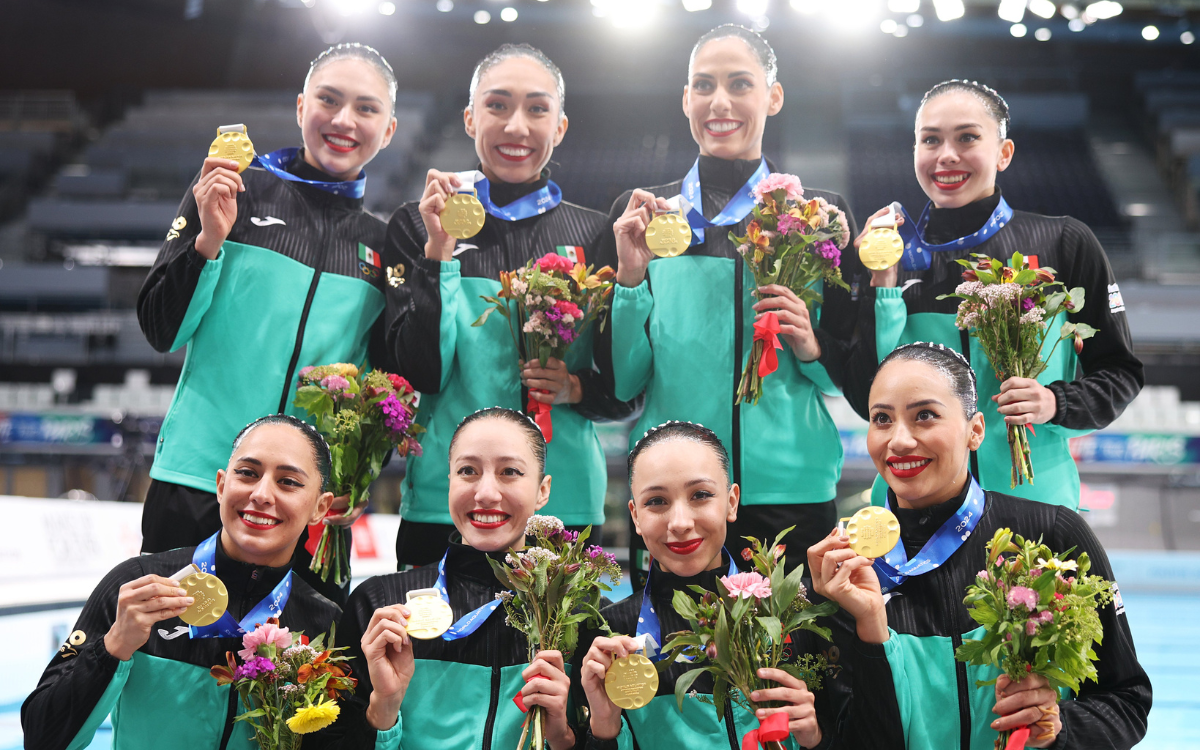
pixel 77 676
pixel 1112 375
pixel 167 290
pixel 839 311
pixel 413 310
pixel 856 706
pixel 1111 713
pixel 351 730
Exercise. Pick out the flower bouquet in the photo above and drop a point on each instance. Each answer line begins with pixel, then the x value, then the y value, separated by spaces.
pixel 554 587
pixel 744 626
pixel 288 685
pixel 362 416
pixel 1008 308
pixel 794 243
pixel 1038 619
pixel 548 304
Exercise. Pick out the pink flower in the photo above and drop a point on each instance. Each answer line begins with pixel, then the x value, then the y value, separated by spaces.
pixel 747 585
pixel 983 575
pixel 264 635
pixel 779 181
pixel 335 383
pixel 1031 626
pixel 1021 596
pixel 1045 616
pixel 554 262
pixel 787 223
pixel 569 308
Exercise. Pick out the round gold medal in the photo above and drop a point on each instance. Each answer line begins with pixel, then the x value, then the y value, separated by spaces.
pixel 463 216
pixel 631 682
pixel 431 615
pixel 211 599
pixel 881 249
pixel 668 235
pixel 873 531
pixel 234 145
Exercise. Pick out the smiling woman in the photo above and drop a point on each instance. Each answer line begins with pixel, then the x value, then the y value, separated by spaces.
pixel 515 117
pixel 127 657
pixel 285 243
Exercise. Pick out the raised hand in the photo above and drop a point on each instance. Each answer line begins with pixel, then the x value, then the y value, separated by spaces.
pixel 216 199
pixel 140 605
pixel 439 186
pixel 388 653
pixel 888 277
pixel 605 715
pixel 841 574
pixel 633 256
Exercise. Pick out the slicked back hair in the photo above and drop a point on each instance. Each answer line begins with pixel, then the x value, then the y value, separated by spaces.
pixel 533 433
pixel 356 51
pixel 991 100
pixel 689 431
pixel 755 41
pixel 320 449
pixel 952 365
pixel 509 51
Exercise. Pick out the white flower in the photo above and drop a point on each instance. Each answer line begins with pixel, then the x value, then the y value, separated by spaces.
pixel 536 555
pixel 995 293
pixel 519 286
pixel 543 525
pixel 505 596
pixel 1058 565
pixel 969 288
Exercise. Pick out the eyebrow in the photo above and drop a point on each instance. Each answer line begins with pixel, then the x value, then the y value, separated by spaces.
pixel 284 467
pixel 965 126
pixel 925 402
pixel 693 483
pixel 509 459
pixel 338 92
pixel 530 95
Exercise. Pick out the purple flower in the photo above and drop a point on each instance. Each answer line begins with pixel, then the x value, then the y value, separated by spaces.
pixel 255 667
pixel 1027 304
pixel 828 250
pixel 395 416
pixel 788 223
pixel 1021 596
pixel 335 383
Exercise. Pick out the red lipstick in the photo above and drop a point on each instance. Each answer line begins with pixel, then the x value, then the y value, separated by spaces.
pixel 258 526
pixel 488 524
pixel 338 147
pixel 517 146
pixel 723 133
pixel 685 548
pixel 953 185
pixel 910 471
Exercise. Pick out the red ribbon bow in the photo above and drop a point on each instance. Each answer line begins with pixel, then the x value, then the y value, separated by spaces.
pixel 766 329
pixel 520 700
pixel 541 413
pixel 1016 740
pixel 771 729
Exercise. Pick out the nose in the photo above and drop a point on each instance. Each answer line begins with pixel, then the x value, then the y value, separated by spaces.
pixel 680 522
pixel 903 442
pixel 263 493
pixel 720 102
pixel 517 125
pixel 487 492
pixel 947 153
pixel 343 119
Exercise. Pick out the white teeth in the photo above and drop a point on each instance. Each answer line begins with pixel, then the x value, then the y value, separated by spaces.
pixel 343 142
pixel 950 180
pixel 260 520
pixel 911 464
pixel 514 151
pixel 722 127
pixel 488 517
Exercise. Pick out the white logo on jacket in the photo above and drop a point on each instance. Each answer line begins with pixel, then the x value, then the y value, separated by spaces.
pixel 1116 303
pixel 266 222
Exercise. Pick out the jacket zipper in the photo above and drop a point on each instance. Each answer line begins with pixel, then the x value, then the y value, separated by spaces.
pixel 736 439
pixel 729 727
pixel 960 668
pixel 312 292
pixel 230 713
pixel 494 647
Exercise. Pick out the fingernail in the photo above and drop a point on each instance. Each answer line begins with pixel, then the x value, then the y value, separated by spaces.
pixel 189 600
pixel 180 592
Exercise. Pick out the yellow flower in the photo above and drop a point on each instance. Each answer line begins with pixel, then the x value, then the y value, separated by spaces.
pixel 314 718
pixel 1058 565
pixel 345 370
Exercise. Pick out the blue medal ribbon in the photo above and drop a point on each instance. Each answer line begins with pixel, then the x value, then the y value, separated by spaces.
pixel 277 163
pixel 738 207
pixel 469 622
pixel 648 618
pixel 918 255
pixel 205 558
pixel 538 202
pixel 895 568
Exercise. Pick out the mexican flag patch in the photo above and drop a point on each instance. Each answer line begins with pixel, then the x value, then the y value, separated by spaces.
pixel 573 253
pixel 367 255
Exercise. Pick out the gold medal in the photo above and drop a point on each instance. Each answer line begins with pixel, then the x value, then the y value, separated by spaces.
pixel 881 249
pixel 463 215
pixel 668 235
pixel 873 531
pixel 631 682
pixel 211 599
pixel 430 614
pixel 234 144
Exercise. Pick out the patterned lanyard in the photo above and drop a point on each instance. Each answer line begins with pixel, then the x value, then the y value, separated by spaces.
pixel 648 618
pixel 277 163
pixel 471 621
pixel 205 558
pixel 918 255
pixel 738 207
pixel 894 568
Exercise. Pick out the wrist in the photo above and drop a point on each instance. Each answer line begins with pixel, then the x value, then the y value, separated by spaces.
pixel 440 251
pixel 574 390
pixel 563 739
pixel 115 648
pixel 605 727
pixel 630 277
pixel 382 713
pixel 872 628
pixel 208 246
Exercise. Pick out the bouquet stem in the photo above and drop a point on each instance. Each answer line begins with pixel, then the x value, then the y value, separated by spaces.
pixel 1018 447
pixel 750 384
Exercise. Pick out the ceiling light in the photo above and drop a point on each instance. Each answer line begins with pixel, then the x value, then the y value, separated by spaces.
pixel 1018 30
pixel 1187 37
pixel 694 5
pixel 482 16
pixel 387 9
pixel 948 10
pixel 1042 34
pixel 807 7
pixel 445 6
pixel 1069 12
pixel 888 26
pixel 901 32
pixel 1011 10
pixel 916 20
pixel 1150 33
pixel 508 14
pixel 1103 9
pixel 753 8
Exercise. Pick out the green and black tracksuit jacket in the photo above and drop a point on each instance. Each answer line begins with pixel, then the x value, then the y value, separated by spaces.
pixel 939 706
pixel 660 725
pixel 289 288
pixel 911 311
pixel 460 368
pixel 164 696
pixel 682 338
pixel 461 693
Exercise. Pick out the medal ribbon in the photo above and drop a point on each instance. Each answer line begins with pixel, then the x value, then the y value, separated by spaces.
pixel 774 728
pixel 648 618
pixel 918 255
pixel 895 567
pixel 205 558
pixel 766 330
pixel 277 163
pixel 738 207
pixel 541 414
pixel 535 203
pixel 469 622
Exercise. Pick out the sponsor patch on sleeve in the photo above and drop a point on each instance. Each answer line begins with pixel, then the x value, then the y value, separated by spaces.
pixel 1118 602
pixel 1116 303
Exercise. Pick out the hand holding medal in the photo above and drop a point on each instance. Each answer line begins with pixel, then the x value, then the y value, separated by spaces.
pixel 614 678
pixel 217 189
pixel 209 595
pixel 880 246
pixel 873 531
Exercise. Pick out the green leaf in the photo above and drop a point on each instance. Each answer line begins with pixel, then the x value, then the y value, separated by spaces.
pixel 685 606
pixel 720 692
pixel 721 636
pixel 773 627
pixel 684 682
pixel 483 318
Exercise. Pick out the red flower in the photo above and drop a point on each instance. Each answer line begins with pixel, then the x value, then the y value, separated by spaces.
pixel 747 555
pixel 1078 343
pixel 554 262
pixel 400 384
pixel 569 308
pixel 970 275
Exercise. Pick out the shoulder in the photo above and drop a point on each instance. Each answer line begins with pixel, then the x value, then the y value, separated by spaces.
pixel 622 616
pixel 592 221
